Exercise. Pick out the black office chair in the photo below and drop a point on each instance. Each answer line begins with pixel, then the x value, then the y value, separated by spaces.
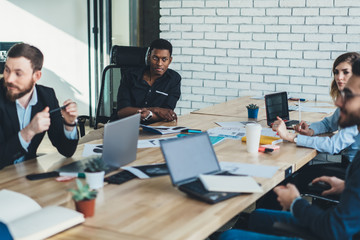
pixel 328 169
pixel 121 57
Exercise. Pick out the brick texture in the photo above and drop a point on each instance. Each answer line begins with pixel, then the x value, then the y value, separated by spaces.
pixel 231 48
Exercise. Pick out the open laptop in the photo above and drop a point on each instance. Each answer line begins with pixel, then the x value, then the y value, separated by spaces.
pixel 187 158
pixel 276 104
pixel 119 145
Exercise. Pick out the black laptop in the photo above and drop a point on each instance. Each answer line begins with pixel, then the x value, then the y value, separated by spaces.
pixel 188 157
pixel 276 104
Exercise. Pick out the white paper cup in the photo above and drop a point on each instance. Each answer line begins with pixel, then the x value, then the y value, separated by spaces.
pixel 95 179
pixel 253 132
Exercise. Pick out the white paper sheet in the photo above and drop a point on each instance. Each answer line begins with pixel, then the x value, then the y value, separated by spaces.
pixel 227 132
pixel 220 183
pixel 310 109
pixel 89 150
pixel 234 124
pixel 249 169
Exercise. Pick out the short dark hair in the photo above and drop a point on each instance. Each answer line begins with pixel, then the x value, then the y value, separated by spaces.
pixel 356 68
pixel 29 52
pixel 161 44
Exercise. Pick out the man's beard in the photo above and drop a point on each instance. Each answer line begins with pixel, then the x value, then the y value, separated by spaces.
pixel 349 120
pixel 12 97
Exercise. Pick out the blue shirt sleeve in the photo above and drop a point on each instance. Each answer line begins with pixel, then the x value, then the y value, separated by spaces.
pixel 328 124
pixel 24 144
pixel 72 135
pixel 341 140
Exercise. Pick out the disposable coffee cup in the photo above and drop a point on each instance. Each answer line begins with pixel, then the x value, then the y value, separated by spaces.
pixel 253 132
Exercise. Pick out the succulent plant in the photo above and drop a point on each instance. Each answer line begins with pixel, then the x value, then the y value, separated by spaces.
pixel 95 164
pixel 82 192
pixel 252 106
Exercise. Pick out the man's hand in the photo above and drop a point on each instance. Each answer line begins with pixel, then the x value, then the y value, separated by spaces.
pixel 39 123
pixel 164 114
pixel 280 127
pixel 337 185
pixel 303 128
pixel 286 195
pixel 143 113
pixel 70 113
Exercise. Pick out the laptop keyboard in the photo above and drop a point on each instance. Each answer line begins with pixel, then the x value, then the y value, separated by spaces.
pixel 120 177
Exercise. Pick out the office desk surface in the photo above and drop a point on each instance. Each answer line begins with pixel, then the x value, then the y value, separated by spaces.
pixel 237 108
pixel 153 208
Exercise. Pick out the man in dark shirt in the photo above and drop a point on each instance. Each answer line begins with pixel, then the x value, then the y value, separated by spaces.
pixel 340 222
pixel 152 90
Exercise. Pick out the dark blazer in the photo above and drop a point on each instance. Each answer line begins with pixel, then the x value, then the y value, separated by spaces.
pixel 340 222
pixel 10 146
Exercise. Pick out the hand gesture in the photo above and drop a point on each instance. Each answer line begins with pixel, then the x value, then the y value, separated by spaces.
pixel 39 123
pixel 143 113
pixel 165 114
pixel 280 127
pixel 70 112
pixel 286 195
pixel 303 128
pixel 337 185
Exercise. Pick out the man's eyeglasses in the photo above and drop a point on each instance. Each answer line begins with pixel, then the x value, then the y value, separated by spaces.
pixel 346 94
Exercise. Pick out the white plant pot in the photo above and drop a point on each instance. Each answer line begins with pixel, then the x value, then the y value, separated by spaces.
pixel 95 179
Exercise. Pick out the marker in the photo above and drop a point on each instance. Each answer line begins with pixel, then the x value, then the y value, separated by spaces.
pixel 72 174
pixel 191 131
pixel 265 150
pixel 59 108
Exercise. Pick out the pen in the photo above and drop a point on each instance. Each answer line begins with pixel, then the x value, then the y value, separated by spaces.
pixel 191 131
pixel 298 99
pixel 59 108
pixel 299 114
pixel 72 174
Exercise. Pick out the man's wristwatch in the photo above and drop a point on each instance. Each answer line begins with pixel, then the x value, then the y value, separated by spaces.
pixel 295 139
pixel 149 116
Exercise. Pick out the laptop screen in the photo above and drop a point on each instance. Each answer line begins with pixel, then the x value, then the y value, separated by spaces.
pixel 276 105
pixel 189 156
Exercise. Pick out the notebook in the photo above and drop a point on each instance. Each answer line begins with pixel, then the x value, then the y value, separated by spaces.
pixel 119 145
pixel 187 158
pixel 276 104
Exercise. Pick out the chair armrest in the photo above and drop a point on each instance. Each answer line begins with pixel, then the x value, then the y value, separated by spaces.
pixel 331 199
pixel 290 230
pixel 81 122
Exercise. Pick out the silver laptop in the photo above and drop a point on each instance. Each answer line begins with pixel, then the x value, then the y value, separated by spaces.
pixel 119 146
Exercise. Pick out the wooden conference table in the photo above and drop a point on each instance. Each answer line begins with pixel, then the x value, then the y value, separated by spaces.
pixel 153 208
pixel 237 108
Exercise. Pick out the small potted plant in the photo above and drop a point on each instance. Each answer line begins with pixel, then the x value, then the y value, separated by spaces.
pixel 84 198
pixel 94 172
pixel 253 110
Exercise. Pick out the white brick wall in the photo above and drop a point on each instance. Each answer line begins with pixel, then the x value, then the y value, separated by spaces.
pixel 230 48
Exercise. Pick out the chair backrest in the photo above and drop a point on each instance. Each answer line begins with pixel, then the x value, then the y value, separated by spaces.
pixel 124 56
pixel 121 57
